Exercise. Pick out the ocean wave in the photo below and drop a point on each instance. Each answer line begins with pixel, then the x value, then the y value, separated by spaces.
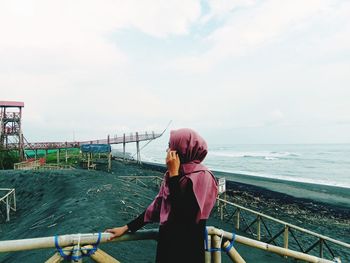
pixel 285 178
pixel 262 155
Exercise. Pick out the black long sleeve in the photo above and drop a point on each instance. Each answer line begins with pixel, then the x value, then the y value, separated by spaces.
pixel 184 207
pixel 137 223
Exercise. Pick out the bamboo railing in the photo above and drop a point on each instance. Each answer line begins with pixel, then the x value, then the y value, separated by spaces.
pixel 9 199
pixel 27 165
pixel 79 244
pixel 36 165
pixel 287 230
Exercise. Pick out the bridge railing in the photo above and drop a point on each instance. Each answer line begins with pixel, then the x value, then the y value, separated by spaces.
pixel 76 144
pixel 76 246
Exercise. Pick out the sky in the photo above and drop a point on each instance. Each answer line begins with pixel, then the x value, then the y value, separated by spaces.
pixel 240 71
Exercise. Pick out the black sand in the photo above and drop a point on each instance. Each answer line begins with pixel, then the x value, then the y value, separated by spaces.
pixel 80 201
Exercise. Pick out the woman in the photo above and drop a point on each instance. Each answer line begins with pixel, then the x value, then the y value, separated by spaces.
pixel 184 201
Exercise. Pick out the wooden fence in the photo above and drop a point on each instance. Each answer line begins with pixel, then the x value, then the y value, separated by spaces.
pixel 8 198
pixel 75 246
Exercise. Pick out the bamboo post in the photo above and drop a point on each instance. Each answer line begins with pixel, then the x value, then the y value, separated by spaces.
pixel 233 254
pixel 66 154
pixel 109 162
pixel 259 228
pixel 221 211
pixel 124 147
pixel 238 211
pixel 138 148
pixel 88 162
pixel 285 237
pixel 7 209
pixel 55 258
pixel 321 248
pixel 58 156
pixel 208 253
pixel 216 242
pixel 99 256
pixel 14 199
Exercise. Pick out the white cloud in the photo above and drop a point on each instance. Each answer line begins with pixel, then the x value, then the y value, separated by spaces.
pixel 63 59
pixel 220 9
pixel 75 34
pixel 267 24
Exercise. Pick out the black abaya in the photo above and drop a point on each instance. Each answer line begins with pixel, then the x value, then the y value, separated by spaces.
pixel 181 238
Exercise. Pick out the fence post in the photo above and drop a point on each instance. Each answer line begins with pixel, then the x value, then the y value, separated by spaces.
pixel 237 218
pixel 66 152
pixel 124 147
pixel 14 199
pixel 208 253
pixel 58 156
pixel 285 236
pixel 109 161
pixel 321 248
pixel 221 211
pixel 216 241
pixel 7 209
pixel 259 228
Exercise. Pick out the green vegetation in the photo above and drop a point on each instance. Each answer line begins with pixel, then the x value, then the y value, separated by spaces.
pixel 73 155
pixel 7 158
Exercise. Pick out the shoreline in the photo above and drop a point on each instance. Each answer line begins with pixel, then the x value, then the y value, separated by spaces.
pixel 329 195
pixel 322 209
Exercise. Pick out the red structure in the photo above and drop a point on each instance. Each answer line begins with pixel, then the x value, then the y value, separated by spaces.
pixel 11 126
pixel 11 135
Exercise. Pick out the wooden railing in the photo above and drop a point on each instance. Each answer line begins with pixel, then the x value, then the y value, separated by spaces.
pixel 256 225
pixel 8 198
pixel 32 165
pixel 38 165
pixel 76 245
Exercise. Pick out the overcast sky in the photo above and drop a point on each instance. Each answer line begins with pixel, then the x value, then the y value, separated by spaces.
pixel 241 71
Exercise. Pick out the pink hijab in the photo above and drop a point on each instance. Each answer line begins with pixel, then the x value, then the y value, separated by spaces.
pixel 192 150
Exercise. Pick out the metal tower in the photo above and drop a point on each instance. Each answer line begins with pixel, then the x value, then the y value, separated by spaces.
pixel 10 125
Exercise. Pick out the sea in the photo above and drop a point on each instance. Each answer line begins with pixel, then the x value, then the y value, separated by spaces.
pixel 325 164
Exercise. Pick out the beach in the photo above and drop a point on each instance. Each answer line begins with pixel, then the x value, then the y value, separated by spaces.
pixel 80 201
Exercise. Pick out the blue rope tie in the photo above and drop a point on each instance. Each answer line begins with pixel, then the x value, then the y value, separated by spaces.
pixel 76 258
pixel 231 243
pixel 217 249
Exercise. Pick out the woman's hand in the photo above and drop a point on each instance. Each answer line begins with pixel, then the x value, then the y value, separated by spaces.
pixel 117 231
pixel 173 163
